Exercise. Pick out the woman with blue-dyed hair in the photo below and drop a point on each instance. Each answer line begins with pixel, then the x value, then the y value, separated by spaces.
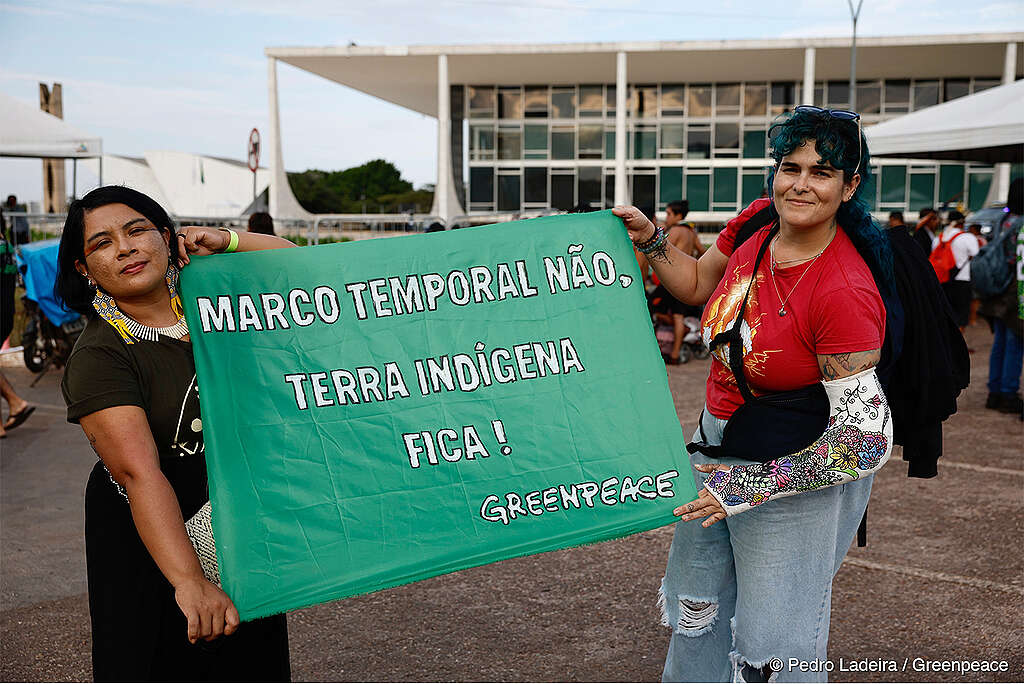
pixel 796 421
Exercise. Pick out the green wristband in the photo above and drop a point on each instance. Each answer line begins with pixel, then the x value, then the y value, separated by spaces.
pixel 232 242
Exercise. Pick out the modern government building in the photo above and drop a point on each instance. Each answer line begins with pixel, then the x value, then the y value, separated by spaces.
pixel 533 127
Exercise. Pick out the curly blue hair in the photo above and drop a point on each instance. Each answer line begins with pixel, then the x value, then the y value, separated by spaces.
pixel 835 140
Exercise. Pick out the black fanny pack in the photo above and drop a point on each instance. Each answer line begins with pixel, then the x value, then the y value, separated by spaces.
pixel 769 426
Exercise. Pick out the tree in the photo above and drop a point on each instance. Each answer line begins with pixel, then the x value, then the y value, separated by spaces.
pixel 376 186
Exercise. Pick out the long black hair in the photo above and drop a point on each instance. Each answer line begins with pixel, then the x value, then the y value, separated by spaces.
pixel 71 286
pixel 836 142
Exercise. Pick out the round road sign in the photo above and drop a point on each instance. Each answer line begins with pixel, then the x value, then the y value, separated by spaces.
pixel 254 150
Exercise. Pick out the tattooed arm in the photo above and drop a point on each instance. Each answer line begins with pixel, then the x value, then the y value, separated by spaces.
pixel 689 280
pixel 856 442
pixel 835 366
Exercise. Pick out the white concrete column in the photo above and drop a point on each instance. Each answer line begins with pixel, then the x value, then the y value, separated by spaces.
pixel 446 201
pixel 1010 64
pixel 1001 174
pixel 621 181
pixel 444 140
pixel 283 204
pixel 808 97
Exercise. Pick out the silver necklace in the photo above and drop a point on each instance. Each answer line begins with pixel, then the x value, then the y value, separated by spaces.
pixel 145 332
pixel 780 262
pixel 773 264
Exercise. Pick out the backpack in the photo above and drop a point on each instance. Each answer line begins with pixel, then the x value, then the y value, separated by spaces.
pixel 942 259
pixel 921 386
pixel 992 269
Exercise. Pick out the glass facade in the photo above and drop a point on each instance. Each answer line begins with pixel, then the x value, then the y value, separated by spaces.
pixel 537 147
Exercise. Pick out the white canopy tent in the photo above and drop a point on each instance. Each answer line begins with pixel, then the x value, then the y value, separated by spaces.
pixel 28 132
pixel 985 127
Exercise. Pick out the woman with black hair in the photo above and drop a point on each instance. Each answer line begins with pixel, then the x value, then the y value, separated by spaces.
pixel 260 222
pixel 794 407
pixel 130 383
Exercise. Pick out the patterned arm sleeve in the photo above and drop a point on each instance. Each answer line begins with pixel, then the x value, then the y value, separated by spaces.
pixel 857 442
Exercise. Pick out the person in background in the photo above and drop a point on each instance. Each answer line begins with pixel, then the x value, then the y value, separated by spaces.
pixel 965 247
pixel 261 223
pixel 8 281
pixel 975 230
pixel 685 238
pixel 895 219
pixel 19 224
pixel 681 233
pixel 927 224
pixel 18 410
pixel 1004 314
pixel 1020 276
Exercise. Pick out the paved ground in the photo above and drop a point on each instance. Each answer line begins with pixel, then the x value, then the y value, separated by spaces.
pixel 941 579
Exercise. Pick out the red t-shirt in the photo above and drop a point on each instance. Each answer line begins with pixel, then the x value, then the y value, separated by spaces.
pixel 835 309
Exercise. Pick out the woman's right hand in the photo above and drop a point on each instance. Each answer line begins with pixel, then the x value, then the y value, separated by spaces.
pixel 639 226
pixel 209 611
pixel 122 438
pixel 199 240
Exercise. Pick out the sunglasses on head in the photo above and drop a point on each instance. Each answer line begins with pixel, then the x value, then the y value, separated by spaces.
pixel 842 115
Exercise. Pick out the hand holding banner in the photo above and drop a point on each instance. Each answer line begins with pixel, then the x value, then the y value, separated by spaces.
pixel 383 411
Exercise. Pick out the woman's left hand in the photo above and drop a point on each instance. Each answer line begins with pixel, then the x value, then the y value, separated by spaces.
pixel 201 241
pixel 636 222
pixel 705 504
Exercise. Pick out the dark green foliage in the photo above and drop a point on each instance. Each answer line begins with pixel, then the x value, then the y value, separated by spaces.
pixel 375 187
pixel 417 201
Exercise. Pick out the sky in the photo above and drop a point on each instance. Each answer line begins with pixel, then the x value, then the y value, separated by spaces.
pixel 191 76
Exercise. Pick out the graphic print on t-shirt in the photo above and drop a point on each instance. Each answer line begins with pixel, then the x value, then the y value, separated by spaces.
pixel 188 435
pixel 720 315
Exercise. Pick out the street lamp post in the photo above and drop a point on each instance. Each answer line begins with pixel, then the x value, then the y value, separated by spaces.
pixel 854 14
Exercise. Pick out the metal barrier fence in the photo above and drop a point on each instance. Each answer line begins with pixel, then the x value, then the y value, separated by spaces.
pixel 329 227
pixel 468 220
pixel 373 223
pixel 42 226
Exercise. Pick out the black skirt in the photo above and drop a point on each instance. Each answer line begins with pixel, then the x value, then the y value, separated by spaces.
pixel 958 292
pixel 138 631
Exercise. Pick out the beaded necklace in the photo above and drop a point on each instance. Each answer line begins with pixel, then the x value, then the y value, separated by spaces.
pixel 129 328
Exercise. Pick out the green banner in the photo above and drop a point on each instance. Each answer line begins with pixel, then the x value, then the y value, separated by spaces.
pixel 383 411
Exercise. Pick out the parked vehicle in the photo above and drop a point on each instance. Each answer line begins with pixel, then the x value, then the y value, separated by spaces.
pixel 50 329
pixel 988 218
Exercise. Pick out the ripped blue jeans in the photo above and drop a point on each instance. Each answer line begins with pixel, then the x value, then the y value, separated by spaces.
pixel 757 586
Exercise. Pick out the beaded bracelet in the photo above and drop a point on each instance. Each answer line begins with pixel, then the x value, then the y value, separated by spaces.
pixel 652 244
pixel 657 246
pixel 651 240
